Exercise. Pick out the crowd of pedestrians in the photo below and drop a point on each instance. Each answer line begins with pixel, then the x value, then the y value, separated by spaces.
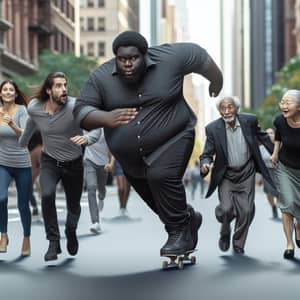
pixel 145 139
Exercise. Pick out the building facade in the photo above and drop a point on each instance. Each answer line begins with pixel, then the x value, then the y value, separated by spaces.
pixel 101 21
pixel 27 27
pixel 258 38
pixel 62 38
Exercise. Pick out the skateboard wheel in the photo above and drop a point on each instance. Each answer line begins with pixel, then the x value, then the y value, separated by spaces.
pixel 180 263
pixel 193 260
pixel 164 264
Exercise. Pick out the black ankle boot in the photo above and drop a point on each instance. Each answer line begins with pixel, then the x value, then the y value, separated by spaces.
pixel 185 238
pixel 53 250
pixel 72 242
pixel 194 224
pixel 177 243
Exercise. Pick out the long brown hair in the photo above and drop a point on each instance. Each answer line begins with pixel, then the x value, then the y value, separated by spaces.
pixel 21 98
pixel 41 92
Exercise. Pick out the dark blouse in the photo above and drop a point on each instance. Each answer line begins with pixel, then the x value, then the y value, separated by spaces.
pixel 289 153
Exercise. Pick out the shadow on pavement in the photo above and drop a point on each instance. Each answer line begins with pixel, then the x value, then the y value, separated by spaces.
pixel 121 219
pixel 65 264
pixel 236 265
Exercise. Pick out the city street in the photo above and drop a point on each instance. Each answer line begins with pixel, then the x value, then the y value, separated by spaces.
pixel 124 263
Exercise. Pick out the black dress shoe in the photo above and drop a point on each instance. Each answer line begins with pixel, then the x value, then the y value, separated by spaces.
pixel 238 250
pixel 297 241
pixel 53 250
pixel 289 254
pixel 72 242
pixel 224 242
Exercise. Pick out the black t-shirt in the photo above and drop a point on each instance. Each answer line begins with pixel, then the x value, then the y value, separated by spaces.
pixel 289 153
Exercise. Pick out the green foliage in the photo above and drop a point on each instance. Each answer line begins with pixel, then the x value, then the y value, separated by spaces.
pixel 287 78
pixel 265 115
pixel 77 70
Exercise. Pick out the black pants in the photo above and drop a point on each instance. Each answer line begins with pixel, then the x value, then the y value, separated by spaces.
pixel 71 176
pixel 161 187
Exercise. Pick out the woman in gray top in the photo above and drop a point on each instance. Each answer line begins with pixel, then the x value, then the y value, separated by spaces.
pixel 14 161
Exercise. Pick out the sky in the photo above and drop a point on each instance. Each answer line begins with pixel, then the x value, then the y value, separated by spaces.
pixel 204 24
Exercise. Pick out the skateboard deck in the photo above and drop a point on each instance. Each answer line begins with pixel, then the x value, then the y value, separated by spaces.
pixel 178 261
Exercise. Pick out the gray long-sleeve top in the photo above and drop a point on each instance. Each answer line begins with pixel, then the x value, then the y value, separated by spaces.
pixel 11 154
pixel 98 153
pixel 56 130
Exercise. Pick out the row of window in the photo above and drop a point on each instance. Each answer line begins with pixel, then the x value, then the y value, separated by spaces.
pixel 65 7
pixel 92 24
pixel 92 3
pixel 91 49
pixel 62 43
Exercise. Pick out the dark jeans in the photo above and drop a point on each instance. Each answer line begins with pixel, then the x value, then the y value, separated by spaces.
pixel 71 176
pixel 22 177
pixel 161 186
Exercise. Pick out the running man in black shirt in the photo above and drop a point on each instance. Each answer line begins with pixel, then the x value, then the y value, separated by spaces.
pixel 155 147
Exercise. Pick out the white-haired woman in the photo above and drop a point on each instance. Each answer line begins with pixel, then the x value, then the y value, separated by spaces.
pixel 286 158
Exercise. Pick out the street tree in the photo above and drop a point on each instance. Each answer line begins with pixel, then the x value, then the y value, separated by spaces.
pixel 77 70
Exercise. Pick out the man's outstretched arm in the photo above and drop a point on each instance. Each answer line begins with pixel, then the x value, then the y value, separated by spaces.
pixel 214 75
pixel 114 118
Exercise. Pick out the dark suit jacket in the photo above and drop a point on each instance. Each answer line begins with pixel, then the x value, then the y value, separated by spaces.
pixel 215 149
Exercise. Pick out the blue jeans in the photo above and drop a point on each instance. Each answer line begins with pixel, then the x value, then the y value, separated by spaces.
pixel 23 179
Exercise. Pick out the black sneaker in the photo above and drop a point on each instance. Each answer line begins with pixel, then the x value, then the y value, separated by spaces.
pixel 53 250
pixel 179 241
pixel 183 239
pixel 72 242
pixel 194 224
pixel 224 242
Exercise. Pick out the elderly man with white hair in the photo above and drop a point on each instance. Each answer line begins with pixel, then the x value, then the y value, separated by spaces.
pixel 231 152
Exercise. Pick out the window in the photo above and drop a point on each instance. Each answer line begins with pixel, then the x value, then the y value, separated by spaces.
pixel 82 27
pixel 101 3
pixel 68 10
pixel 56 42
pixel 73 13
pixel 90 49
pixel 101 49
pixel 62 43
pixel 81 50
pixel 90 24
pixel 90 3
pixel 101 24
pixel 82 3
pixel 62 5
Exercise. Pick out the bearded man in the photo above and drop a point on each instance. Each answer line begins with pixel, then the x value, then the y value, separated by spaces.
pixel 50 112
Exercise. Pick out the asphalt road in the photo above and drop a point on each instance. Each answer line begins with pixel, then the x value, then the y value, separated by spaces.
pixel 123 262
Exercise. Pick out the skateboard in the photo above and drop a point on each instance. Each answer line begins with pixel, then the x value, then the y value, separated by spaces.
pixel 178 261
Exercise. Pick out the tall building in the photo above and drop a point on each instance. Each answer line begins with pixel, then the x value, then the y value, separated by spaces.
pixel 29 26
pixel 257 40
pixel 267 46
pixel 62 38
pixel 4 26
pixel 19 50
pixel 101 21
